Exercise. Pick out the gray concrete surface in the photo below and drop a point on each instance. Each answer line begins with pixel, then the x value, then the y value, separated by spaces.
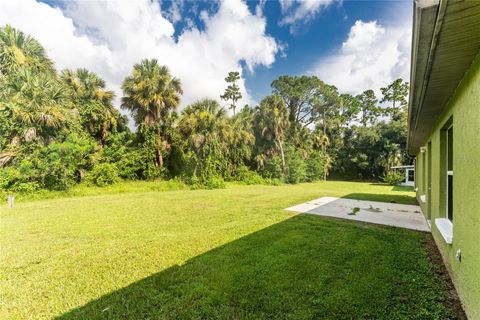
pixel 390 214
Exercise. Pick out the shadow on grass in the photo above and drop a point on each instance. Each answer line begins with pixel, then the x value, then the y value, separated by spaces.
pixel 382 197
pixel 306 267
pixel 402 188
pixel 394 188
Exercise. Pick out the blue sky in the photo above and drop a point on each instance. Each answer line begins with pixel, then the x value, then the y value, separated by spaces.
pixel 318 38
pixel 355 45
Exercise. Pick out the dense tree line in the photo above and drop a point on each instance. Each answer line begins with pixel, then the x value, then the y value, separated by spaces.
pixel 61 128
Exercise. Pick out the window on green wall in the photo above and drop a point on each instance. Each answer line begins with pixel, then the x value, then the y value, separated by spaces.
pixel 424 180
pixel 411 175
pixel 449 173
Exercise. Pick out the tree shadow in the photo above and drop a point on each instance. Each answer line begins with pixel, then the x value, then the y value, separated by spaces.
pixel 394 188
pixel 402 188
pixel 382 197
pixel 306 267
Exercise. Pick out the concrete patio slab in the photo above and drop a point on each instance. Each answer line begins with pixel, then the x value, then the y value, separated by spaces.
pixel 390 214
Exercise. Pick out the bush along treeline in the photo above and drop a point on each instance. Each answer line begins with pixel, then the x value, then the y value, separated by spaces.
pixel 58 129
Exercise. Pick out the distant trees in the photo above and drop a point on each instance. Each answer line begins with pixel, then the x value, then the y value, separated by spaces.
pixel 396 93
pixel 370 110
pixel 43 127
pixel 369 150
pixel 204 130
pixel 151 93
pixel 92 101
pixel 272 122
pixel 59 129
pixel 307 98
pixel 214 146
pixel 232 92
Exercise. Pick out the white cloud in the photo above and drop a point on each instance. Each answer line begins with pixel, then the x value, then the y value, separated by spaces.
pixel 299 12
pixel 174 12
pixel 108 37
pixel 371 57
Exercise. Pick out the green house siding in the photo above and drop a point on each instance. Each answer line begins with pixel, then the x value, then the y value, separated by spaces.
pixel 464 112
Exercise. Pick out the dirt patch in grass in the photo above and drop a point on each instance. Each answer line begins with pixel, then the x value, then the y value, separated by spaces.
pixel 452 301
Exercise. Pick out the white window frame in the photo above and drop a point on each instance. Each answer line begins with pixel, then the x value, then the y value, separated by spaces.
pixel 449 173
pixel 445 225
pixel 447 194
pixel 408 175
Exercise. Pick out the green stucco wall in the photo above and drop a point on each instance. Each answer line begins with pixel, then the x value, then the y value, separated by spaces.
pixel 464 109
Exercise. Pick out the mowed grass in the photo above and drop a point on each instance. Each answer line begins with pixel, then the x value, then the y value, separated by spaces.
pixel 213 254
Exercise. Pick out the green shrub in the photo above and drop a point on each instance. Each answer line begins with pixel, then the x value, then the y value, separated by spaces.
pixel 273 168
pixel 193 181
pixel 60 164
pixel 9 176
pixel 132 166
pixel 132 162
pixel 254 178
pixel 393 178
pixel 245 175
pixel 25 187
pixel 117 146
pixel 315 166
pixel 103 174
pixel 214 183
pixel 297 168
pixel 58 175
pixel 56 166
pixel 273 182
pixel 19 178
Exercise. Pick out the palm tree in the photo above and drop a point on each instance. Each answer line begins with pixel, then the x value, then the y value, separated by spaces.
pixel 208 106
pixel 18 49
pixel 242 139
pixel 150 93
pixel 220 144
pixel 321 141
pixel 273 122
pixel 87 84
pixel 38 105
pixel 203 122
pixel 93 101
pixel 39 102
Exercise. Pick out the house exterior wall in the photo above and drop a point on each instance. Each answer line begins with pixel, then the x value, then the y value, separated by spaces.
pixel 464 110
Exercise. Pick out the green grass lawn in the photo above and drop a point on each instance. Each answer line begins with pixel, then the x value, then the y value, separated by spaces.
pixel 213 254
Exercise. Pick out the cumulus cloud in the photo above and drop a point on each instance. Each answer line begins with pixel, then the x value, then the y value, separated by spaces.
pixel 371 57
pixel 299 12
pixel 109 37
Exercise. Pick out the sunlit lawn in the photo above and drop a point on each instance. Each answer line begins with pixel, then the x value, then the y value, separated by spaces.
pixel 225 254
